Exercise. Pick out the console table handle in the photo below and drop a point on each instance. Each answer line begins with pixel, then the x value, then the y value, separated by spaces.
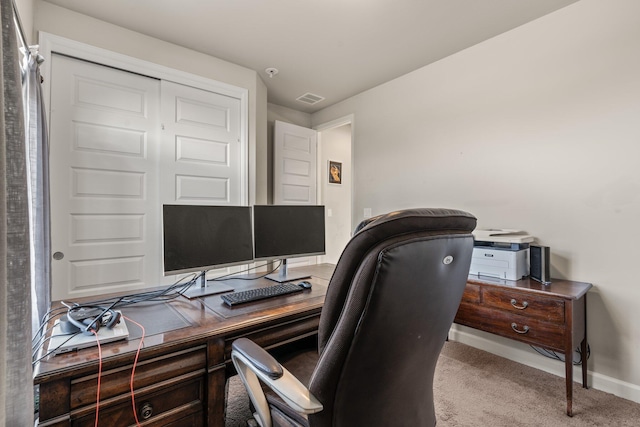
pixel 524 330
pixel 519 307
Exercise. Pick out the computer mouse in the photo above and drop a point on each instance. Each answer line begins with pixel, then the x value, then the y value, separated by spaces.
pixel 305 285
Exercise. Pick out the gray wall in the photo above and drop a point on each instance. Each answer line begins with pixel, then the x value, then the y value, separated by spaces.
pixel 536 129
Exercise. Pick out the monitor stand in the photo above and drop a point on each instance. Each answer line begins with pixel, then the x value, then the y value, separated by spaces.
pixel 205 289
pixel 283 276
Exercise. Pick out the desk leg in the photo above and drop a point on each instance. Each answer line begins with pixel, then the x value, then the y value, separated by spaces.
pixel 568 365
pixel 216 398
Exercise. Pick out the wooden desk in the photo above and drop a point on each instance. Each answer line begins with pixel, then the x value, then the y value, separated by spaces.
pixel 182 370
pixel 552 317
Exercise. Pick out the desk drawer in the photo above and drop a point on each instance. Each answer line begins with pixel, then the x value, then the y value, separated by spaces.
pixel 520 328
pixel 158 406
pixel 279 334
pixel 116 381
pixel 529 305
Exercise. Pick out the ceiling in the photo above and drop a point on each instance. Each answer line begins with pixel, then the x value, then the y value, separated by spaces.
pixel 331 48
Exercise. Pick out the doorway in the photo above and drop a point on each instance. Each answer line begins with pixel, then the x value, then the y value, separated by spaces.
pixel 335 142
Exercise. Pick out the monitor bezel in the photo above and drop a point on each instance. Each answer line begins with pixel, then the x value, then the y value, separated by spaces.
pixel 205 268
pixel 283 256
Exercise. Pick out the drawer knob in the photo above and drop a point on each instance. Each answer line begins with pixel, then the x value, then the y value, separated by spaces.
pixel 514 303
pixel 524 330
pixel 146 411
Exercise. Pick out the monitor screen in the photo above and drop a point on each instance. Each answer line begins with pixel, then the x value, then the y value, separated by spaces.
pixel 288 231
pixel 200 238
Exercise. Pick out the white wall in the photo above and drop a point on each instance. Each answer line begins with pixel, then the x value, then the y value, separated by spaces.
pixel 335 145
pixel 65 23
pixel 536 129
pixel 25 10
pixel 262 146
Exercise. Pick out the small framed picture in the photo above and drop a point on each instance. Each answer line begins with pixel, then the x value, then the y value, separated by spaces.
pixel 335 172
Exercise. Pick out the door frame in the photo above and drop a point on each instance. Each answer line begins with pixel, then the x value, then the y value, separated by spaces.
pixel 50 43
pixel 332 124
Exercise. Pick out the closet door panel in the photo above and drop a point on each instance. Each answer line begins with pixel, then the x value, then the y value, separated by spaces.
pixel 104 185
pixel 204 159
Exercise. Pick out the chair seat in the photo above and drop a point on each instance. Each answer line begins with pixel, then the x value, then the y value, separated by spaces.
pixel 301 364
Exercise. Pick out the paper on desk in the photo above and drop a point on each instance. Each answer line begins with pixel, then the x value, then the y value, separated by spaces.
pixel 502 235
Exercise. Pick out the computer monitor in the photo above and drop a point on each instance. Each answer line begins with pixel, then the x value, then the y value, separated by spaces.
pixel 200 238
pixel 288 231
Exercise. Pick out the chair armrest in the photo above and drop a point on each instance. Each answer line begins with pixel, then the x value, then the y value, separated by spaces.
pixel 252 363
pixel 258 357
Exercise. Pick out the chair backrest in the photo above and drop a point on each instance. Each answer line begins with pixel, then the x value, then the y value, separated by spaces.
pixel 390 303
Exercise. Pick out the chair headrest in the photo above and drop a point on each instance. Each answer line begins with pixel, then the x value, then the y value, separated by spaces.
pixel 429 218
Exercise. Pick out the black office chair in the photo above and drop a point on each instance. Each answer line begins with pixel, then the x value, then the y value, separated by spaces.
pixel 389 306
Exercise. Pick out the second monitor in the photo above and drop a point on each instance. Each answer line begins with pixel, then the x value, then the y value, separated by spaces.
pixel 288 231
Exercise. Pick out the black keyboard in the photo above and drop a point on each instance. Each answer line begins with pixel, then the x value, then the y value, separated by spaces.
pixel 235 298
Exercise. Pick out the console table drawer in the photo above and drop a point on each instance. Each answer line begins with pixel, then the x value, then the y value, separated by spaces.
pixel 471 294
pixel 116 381
pixel 530 305
pixel 520 328
pixel 157 406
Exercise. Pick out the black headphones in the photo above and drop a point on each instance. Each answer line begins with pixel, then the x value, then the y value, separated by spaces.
pixel 88 319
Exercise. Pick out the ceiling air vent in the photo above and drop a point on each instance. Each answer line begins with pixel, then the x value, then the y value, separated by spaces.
pixel 310 98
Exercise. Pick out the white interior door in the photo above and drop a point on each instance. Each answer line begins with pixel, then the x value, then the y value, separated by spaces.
pixel 295 170
pixel 104 154
pixel 294 164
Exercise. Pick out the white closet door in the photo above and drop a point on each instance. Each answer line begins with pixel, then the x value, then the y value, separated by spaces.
pixel 203 160
pixel 122 145
pixel 104 156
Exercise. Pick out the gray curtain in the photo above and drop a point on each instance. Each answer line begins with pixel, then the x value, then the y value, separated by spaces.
pixel 38 172
pixel 16 386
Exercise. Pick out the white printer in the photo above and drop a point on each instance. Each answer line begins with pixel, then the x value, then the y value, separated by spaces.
pixel 500 253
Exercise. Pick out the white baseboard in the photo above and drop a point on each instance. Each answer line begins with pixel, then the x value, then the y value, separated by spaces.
pixel 522 353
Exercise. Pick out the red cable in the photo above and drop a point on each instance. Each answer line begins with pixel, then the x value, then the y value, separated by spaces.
pixel 133 370
pixel 99 375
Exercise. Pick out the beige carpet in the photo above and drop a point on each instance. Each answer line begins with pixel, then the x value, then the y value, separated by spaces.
pixel 476 388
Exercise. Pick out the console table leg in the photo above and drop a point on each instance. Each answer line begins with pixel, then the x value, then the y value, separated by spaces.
pixel 568 364
pixel 584 358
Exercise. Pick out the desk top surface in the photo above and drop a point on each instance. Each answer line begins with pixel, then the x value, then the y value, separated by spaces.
pixel 179 321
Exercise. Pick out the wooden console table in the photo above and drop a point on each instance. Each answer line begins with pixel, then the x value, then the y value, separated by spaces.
pixel 548 316
pixel 181 374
